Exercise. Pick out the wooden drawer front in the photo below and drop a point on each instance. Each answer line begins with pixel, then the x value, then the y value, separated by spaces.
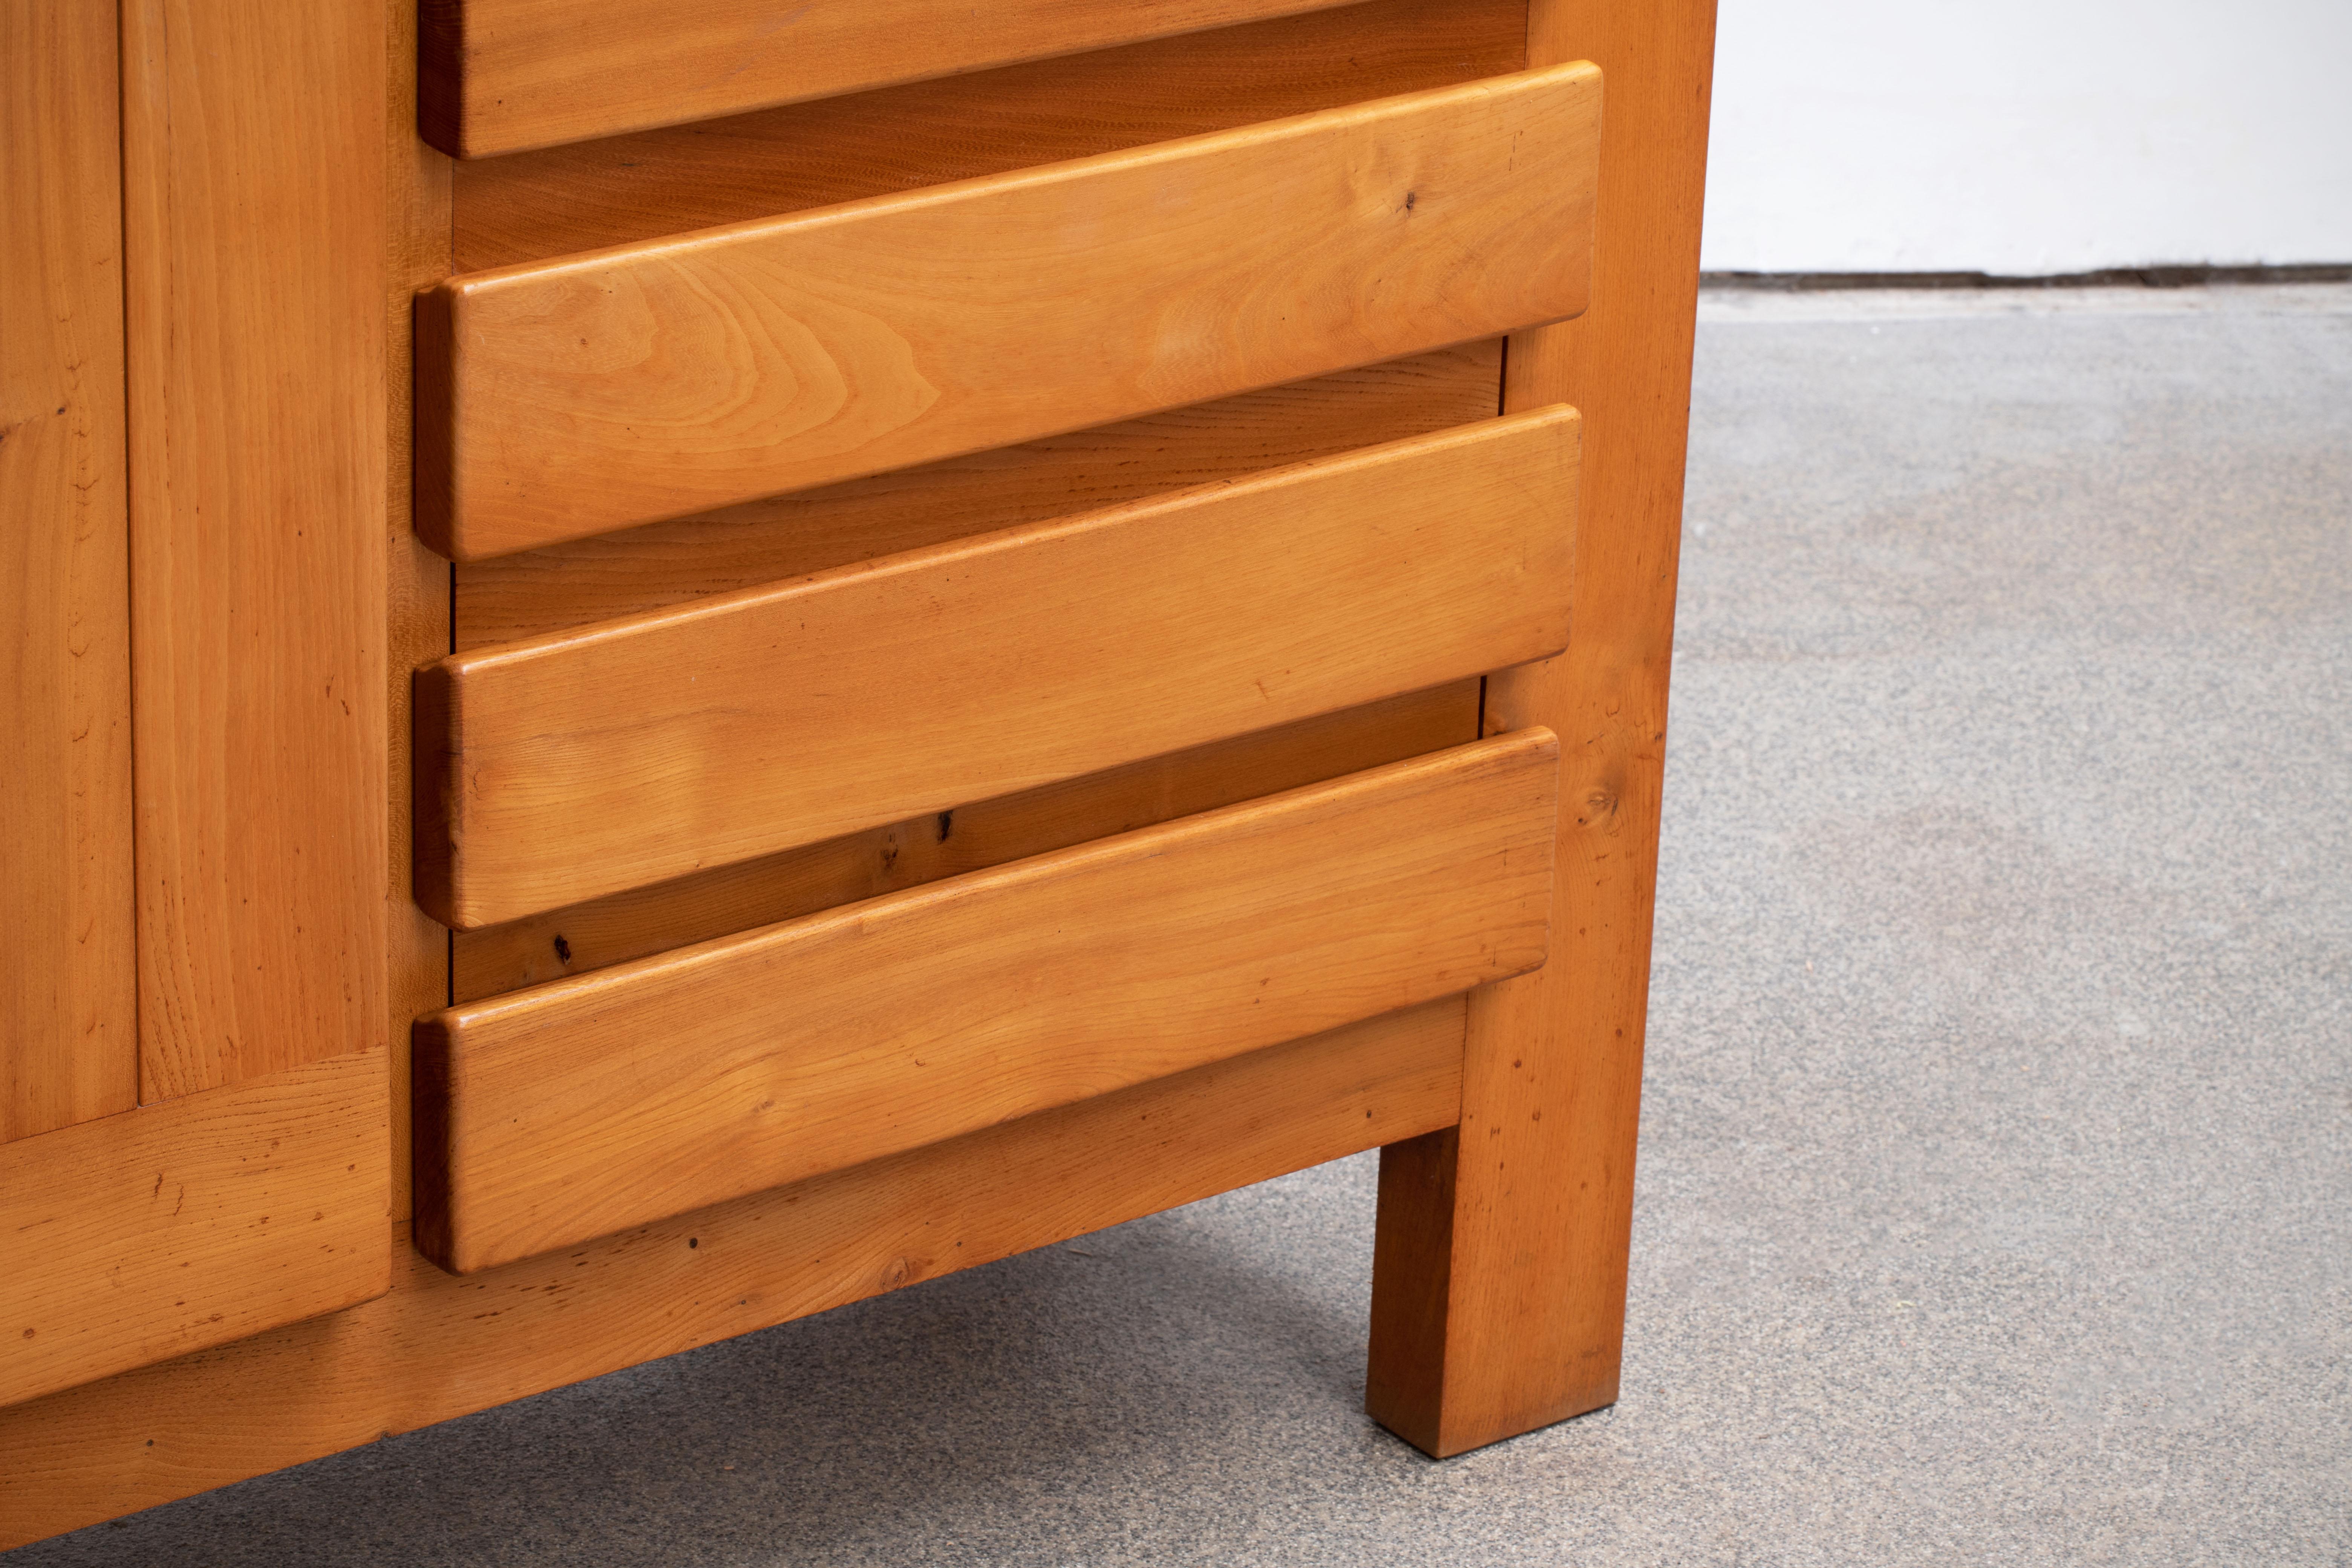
pixel 580 1108
pixel 581 764
pixel 502 76
pixel 562 399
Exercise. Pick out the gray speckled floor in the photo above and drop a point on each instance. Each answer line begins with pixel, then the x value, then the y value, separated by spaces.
pixel 1996 1195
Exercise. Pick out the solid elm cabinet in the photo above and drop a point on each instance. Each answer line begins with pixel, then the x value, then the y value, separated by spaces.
pixel 875 635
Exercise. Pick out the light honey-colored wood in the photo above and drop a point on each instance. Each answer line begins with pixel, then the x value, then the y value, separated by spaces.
pixel 162 1230
pixel 528 206
pixel 1498 1298
pixel 439 1346
pixel 563 399
pixel 245 358
pixel 639 569
pixel 577 766
pixel 580 1108
pixel 68 1047
pixel 502 76
pixel 647 921
pixel 255 230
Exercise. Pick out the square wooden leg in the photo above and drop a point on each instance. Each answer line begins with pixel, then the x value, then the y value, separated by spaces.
pixel 1498 1289
pixel 1499 1284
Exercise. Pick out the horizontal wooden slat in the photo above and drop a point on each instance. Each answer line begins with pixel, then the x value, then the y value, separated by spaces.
pixel 647 921
pixel 571 766
pixel 586 194
pixel 584 579
pixel 440 1346
pixel 501 76
pixel 158 1231
pixel 588 1105
pixel 563 399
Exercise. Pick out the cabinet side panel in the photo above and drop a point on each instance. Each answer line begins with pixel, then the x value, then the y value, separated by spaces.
pixel 1565 1046
pixel 68 1049
pixel 1528 1211
pixel 255 222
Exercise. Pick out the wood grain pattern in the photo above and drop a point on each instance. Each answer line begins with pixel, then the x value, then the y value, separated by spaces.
pixel 501 76
pixel 562 399
pixel 68 1044
pixel 584 195
pixel 543 590
pixel 579 1107
pixel 439 1346
pixel 577 766
pixel 254 137
pixel 647 921
pixel 1499 1292
pixel 162 1230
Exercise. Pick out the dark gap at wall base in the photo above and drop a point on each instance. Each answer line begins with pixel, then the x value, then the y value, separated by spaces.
pixel 2107 277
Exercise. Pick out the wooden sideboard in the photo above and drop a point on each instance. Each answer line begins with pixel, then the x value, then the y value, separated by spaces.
pixel 670 665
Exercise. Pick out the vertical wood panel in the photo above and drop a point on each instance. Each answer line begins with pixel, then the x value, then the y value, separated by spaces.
pixel 1499 1291
pixel 255 215
pixel 68 1029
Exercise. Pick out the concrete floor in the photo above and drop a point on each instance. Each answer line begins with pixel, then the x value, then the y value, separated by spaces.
pixel 1996 1185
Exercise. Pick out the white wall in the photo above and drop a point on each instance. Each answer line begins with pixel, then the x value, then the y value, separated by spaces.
pixel 2029 136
